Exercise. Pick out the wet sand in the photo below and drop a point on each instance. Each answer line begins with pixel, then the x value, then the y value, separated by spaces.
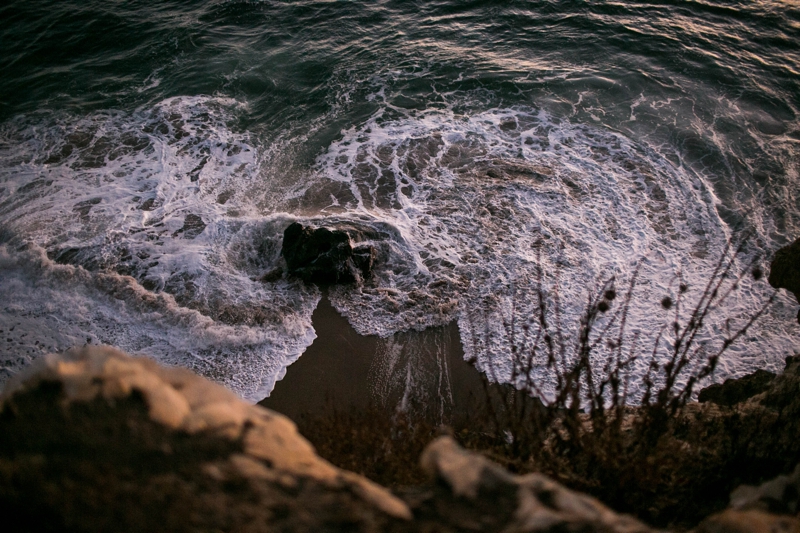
pixel 420 371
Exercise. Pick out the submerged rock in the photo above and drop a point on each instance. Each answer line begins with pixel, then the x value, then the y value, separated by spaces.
pixel 785 270
pixel 328 255
pixel 95 440
pixel 193 226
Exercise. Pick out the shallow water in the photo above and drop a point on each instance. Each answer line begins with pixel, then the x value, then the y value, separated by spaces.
pixel 151 156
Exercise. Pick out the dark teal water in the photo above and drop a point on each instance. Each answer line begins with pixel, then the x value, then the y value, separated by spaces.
pixel 465 132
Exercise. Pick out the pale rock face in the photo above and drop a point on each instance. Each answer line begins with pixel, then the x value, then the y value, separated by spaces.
pixel 182 401
pixel 779 495
pixel 541 504
pixel 751 521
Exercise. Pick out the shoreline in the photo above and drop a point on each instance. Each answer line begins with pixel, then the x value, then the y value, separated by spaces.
pixel 411 370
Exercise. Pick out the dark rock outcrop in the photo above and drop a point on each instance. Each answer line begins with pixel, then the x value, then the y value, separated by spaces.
pixel 734 391
pixel 95 440
pixel 328 255
pixel 723 445
pixel 785 270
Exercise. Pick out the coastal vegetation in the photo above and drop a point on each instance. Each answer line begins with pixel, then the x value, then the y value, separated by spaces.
pixel 661 456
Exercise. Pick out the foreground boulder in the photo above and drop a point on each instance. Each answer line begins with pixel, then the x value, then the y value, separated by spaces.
pixel 785 270
pixel 95 440
pixel 734 521
pixel 771 507
pixel 475 494
pixel 780 495
pixel 327 255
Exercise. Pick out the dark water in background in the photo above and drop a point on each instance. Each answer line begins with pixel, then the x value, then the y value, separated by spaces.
pixel 173 141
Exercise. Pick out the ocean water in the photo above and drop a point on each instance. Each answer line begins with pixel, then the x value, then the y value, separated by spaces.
pixel 152 153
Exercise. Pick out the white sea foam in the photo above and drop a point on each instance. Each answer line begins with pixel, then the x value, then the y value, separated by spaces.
pixel 159 247
pixel 155 231
pixel 478 202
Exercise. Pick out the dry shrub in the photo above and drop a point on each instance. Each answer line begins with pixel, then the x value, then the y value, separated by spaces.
pixel 648 457
pixel 664 458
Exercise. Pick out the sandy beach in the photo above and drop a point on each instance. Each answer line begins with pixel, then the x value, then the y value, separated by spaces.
pixel 409 370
